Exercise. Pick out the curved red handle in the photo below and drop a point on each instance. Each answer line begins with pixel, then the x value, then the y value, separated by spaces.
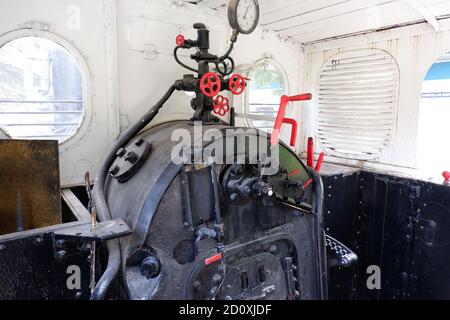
pixel 294 125
pixel 282 110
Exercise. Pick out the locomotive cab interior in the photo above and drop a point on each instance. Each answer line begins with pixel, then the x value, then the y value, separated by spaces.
pixel 224 150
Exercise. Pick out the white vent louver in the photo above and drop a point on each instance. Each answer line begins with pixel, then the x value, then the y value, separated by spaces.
pixel 358 98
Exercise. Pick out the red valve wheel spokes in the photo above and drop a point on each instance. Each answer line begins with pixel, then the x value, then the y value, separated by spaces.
pixel 221 106
pixel 210 84
pixel 237 84
pixel 179 40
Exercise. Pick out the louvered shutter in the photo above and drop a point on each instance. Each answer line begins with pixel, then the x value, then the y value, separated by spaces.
pixel 357 107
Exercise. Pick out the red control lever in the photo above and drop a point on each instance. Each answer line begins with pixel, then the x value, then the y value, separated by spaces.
pixel 221 105
pixel 294 125
pixel 310 153
pixel 237 84
pixel 446 176
pixel 213 259
pixel 210 84
pixel 179 40
pixel 280 116
pixel 319 162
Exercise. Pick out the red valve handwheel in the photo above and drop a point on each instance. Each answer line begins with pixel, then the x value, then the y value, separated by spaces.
pixel 179 40
pixel 221 106
pixel 210 84
pixel 446 176
pixel 237 84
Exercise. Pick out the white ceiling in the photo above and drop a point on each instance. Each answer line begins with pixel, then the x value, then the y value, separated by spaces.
pixel 314 20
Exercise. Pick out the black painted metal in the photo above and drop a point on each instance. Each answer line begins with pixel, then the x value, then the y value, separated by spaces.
pixel 275 235
pixel 46 263
pixel 401 225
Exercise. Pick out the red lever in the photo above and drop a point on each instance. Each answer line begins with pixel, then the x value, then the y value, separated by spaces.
pixel 307 183
pixel 237 84
pixel 281 111
pixel 319 162
pixel 179 40
pixel 310 153
pixel 293 123
pixel 300 97
pixel 210 84
pixel 446 176
pixel 213 259
pixel 221 105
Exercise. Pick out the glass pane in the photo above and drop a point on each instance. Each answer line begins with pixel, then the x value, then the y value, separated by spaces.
pixel 266 126
pixel 41 90
pixel 266 88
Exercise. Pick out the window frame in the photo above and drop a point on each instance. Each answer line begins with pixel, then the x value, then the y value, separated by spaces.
pixel 247 71
pixel 84 70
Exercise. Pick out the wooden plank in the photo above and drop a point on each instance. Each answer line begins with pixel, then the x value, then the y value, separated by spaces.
pixel 362 20
pixel 316 12
pixel 75 205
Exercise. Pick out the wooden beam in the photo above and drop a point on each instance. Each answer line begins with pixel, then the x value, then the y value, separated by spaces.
pixel 425 13
pixel 75 205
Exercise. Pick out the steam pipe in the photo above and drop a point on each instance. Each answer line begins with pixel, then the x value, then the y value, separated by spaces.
pixel 114 255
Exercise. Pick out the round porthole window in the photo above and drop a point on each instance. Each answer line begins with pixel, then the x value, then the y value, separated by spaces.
pixel 41 90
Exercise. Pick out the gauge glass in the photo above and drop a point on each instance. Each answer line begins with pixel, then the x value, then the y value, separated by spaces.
pixel 247 14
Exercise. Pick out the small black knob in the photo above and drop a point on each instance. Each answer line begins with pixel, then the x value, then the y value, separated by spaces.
pixel 114 170
pixel 150 267
pixel 121 152
pixel 139 142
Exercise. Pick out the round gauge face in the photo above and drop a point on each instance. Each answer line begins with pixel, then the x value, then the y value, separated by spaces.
pixel 244 15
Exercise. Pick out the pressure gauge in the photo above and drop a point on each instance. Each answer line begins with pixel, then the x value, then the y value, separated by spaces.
pixel 243 15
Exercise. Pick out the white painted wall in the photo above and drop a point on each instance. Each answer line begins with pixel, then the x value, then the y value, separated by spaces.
pixel 84 25
pixel 415 48
pixel 127 46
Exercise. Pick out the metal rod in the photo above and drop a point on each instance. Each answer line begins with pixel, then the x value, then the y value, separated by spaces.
pixel 93 211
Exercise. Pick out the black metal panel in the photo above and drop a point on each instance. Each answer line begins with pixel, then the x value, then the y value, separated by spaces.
pixel 341 212
pixel 401 225
pixel 35 267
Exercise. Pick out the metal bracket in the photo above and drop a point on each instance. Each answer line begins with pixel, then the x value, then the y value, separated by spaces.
pixel 338 255
pixel 104 231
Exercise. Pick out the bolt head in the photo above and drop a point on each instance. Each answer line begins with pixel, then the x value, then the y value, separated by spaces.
pixel 114 170
pixel 139 142
pixel 234 197
pixel 150 267
pixel 60 254
pixel 121 152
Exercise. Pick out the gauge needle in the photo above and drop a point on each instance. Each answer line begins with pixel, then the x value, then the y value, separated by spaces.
pixel 248 8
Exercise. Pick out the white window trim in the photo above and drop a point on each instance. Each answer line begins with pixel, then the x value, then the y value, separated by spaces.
pixel 85 74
